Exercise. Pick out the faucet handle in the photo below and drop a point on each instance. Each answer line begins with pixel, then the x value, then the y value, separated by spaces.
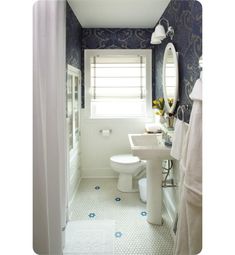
pixel 164 134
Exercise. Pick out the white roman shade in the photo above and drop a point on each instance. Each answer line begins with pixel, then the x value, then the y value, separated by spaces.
pixel 118 77
pixel 118 83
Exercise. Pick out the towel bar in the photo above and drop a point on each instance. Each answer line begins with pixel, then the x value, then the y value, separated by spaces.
pixel 183 108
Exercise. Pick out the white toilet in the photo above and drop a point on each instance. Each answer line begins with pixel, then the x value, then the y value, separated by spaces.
pixel 127 166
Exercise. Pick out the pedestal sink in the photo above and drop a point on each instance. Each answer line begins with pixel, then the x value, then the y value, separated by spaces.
pixel 151 147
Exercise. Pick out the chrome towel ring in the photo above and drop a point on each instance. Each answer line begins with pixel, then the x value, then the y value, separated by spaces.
pixel 182 108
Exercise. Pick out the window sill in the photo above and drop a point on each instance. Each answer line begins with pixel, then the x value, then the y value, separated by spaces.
pixel 117 117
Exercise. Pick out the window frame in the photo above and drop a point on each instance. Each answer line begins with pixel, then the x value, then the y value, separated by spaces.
pixel 89 53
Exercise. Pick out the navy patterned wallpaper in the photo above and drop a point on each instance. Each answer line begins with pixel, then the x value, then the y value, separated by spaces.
pixel 115 38
pixel 186 19
pixel 184 16
pixel 73 39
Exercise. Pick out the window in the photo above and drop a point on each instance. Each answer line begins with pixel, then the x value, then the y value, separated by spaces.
pixel 118 83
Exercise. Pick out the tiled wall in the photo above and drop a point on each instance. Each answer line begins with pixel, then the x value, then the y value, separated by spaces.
pixel 115 38
pixel 186 19
pixel 73 39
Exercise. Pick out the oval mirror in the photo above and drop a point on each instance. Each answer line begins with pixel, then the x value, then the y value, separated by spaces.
pixel 170 78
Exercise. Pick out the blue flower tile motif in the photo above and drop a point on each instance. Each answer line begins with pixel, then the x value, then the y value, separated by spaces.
pixel 97 187
pixel 91 215
pixel 118 234
pixel 117 199
pixel 143 213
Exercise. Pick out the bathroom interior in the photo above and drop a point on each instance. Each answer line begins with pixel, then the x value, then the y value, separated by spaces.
pixel 133 107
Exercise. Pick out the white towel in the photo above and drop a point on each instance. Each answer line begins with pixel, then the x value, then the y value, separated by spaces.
pixel 189 228
pixel 178 139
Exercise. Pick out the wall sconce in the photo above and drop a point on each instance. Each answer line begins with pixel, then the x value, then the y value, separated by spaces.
pixel 159 33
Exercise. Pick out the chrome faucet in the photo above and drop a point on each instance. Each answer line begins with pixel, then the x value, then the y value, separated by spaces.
pixel 166 137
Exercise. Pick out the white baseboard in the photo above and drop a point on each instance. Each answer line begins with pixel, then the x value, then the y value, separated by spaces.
pixel 98 173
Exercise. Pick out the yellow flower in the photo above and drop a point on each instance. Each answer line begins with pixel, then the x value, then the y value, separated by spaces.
pixel 154 101
pixel 160 112
pixel 170 101
pixel 158 103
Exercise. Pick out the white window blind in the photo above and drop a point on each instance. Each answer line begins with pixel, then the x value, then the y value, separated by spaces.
pixel 118 77
pixel 118 85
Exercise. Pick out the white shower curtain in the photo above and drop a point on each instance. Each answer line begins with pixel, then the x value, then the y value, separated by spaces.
pixel 49 156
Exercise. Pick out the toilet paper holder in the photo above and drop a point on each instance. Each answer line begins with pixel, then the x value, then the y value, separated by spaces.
pixel 101 130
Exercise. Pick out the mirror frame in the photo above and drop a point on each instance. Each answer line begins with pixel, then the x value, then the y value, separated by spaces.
pixel 175 58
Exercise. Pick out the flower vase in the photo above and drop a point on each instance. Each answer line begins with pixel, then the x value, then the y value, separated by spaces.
pixel 170 122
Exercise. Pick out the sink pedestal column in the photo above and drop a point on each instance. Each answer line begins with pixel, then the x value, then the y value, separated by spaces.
pixel 154 191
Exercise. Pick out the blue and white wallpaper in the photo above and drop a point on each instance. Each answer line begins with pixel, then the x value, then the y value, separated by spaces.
pixel 73 39
pixel 184 16
pixel 116 38
pixel 186 19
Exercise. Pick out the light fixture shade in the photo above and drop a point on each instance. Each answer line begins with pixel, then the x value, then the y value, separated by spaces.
pixel 160 33
pixel 154 39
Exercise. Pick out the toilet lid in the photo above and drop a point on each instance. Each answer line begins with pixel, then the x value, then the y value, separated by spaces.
pixel 125 159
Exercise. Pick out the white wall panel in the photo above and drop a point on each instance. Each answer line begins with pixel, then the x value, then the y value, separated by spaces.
pixel 96 149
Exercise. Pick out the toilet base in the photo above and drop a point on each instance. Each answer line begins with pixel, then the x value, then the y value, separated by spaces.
pixel 125 183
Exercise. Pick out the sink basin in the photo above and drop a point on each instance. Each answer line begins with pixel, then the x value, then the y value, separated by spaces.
pixel 151 147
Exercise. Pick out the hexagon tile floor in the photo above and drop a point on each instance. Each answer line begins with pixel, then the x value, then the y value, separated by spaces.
pixel 99 199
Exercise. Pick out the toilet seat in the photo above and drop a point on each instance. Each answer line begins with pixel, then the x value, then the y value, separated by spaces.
pixel 125 159
pixel 127 166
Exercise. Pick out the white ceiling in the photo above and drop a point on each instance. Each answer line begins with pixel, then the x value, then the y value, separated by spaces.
pixel 118 13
